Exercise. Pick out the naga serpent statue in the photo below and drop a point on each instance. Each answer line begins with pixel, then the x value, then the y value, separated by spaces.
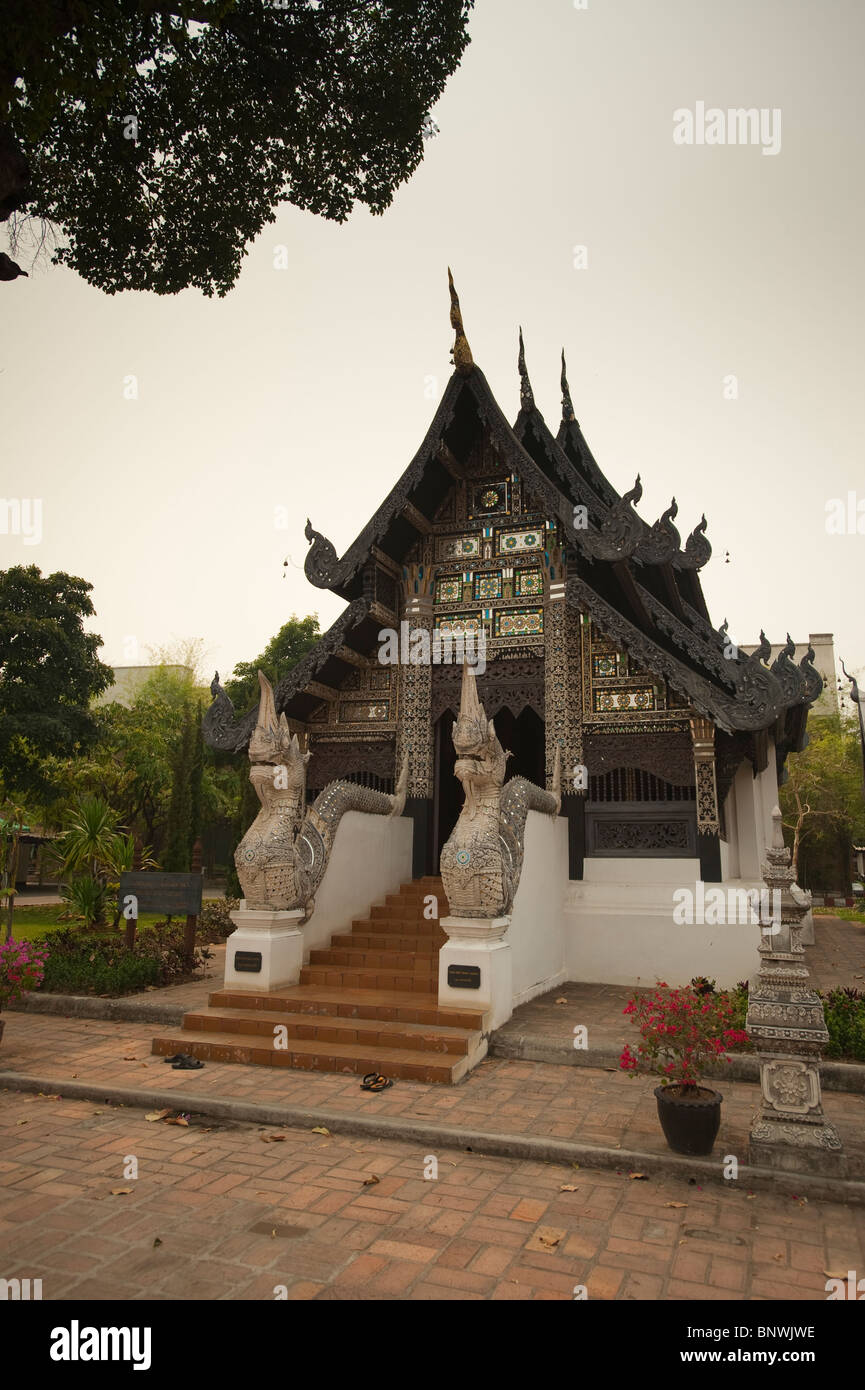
pixel 283 855
pixel 482 860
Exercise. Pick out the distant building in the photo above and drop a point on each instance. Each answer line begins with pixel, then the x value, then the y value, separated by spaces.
pixel 823 644
pixel 128 680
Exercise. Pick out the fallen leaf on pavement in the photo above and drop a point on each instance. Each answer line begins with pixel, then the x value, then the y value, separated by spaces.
pixel 273 1138
pixel 635 1176
pixel 836 1274
pixel 178 1120
pixel 45 1096
pixel 563 1000
pixel 156 1115
pixel 568 1187
pixel 675 1204
pixel 130 1059
pixel 120 1191
pixel 371 1180
pixel 320 1129
pixel 156 1242
pixel 545 1238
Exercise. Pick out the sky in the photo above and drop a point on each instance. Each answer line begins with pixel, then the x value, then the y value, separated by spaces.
pixel 712 322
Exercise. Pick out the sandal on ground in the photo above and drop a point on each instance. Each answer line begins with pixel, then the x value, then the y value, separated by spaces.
pixel 374 1081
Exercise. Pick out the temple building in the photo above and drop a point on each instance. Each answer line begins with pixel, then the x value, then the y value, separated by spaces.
pixel 598 646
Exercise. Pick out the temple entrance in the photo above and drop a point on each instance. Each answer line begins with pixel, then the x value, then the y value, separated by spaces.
pixel 522 734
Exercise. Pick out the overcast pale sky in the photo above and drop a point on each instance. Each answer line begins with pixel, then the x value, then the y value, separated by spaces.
pixel 310 388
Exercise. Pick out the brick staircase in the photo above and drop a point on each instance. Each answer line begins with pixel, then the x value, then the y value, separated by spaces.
pixel 369 1002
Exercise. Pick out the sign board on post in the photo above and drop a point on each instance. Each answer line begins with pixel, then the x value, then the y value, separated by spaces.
pixel 173 894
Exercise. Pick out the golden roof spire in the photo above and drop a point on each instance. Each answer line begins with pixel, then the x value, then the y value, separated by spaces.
pixel 462 353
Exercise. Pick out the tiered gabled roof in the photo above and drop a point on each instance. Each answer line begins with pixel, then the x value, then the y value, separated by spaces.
pixel 637 582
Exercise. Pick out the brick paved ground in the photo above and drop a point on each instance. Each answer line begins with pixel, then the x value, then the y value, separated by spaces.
pixel 582 1104
pixel 216 1213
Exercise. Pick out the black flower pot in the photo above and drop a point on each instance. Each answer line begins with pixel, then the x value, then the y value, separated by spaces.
pixel 690 1122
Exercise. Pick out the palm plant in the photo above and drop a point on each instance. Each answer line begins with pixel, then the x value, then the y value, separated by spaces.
pixel 87 849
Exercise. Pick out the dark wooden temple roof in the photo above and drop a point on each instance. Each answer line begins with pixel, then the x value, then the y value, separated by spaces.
pixel 637 581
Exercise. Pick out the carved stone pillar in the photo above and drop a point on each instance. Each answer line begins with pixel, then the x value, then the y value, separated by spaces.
pixel 786 1021
pixel 563 713
pixel 708 817
pixel 414 730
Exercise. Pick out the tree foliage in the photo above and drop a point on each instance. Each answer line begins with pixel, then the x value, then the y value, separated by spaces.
pixel 823 804
pixel 160 137
pixel 282 653
pixel 49 672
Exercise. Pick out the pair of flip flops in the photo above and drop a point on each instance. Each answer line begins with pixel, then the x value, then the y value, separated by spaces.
pixel 374 1081
pixel 184 1061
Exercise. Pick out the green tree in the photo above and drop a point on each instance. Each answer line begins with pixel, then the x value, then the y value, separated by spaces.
pixel 282 653
pixel 822 802
pixel 180 832
pixel 160 136
pixel 49 672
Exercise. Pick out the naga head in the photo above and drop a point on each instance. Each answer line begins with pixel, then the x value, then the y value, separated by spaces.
pixel 273 742
pixel 480 764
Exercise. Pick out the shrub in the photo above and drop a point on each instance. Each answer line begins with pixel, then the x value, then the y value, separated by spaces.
pixel 87 964
pixel 214 923
pixel 845 1020
pixel 22 966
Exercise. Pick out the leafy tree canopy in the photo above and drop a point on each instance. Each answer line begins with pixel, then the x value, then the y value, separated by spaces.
pixel 823 804
pixel 49 671
pixel 159 137
pixel 294 639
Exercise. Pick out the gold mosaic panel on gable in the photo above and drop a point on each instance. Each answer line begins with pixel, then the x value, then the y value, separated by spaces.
pixel 488 555
pixel 616 692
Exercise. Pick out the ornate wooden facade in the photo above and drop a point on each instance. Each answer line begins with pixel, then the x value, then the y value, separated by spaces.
pixel 597 640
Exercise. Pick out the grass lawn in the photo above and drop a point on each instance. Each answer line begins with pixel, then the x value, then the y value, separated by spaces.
pixel 30 923
pixel 850 914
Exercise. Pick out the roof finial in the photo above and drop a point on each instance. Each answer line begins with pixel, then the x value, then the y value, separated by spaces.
pixel 527 399
pixel 461 352
pixel 567 403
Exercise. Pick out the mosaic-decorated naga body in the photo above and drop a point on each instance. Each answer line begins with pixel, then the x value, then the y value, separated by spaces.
pixel 282 858
pixel 482 861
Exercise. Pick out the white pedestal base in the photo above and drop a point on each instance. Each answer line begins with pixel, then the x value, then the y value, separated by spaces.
pixel 478 943
pixel 275 937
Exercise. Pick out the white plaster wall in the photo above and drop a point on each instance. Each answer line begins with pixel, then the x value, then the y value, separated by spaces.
pixel 623 932
pixel 536 935
pixel 749 821
pixel 371 857
pixel 621 869
pixel 768 784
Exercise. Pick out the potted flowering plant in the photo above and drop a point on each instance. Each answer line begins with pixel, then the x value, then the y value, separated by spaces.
pixel 22 966
pixel 680 1031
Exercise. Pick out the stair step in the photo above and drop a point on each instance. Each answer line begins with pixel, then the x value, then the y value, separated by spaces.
pixel 404 1064
pixel 367 1001
pixel 389 941
pixel 354 977
pixel 261 1023
pixel 403 1006
pixel 366 959
pixel 405 926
